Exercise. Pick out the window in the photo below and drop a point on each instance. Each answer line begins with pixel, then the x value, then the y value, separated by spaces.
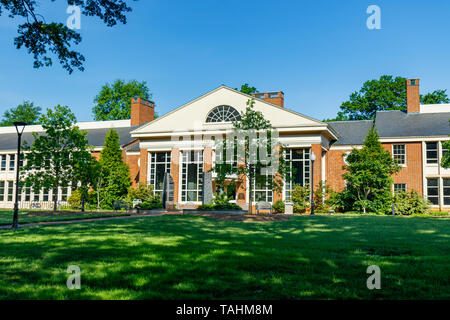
pixel 159 165
pixel 433 190
pixel 263 188
pixel 12 162
pixel 45 194
pixel 36 195
pixel 64 192
pixel 19 196
pixel 413 82
pixel 192 176
pixel 223 114
pixel 297 161
pixel 221 157
pixel 399 153
pixel 2 190
pixel 399 187
pixel 3 162
pixel 10 191
pixel 446 183
pixel 432 152
pixel 27 193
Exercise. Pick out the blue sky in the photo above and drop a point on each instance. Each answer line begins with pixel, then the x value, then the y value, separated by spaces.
pixel 317 52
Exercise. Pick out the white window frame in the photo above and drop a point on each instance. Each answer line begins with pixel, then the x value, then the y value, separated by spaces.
pixel 185 161
pixel 289 185
pixel 152 172
pixel 437 187
pixel 401 155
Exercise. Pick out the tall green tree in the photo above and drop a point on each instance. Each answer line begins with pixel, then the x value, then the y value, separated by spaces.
pixel 51 160
pixel 369 176
pixel 87 171
pixel 25 112
pixel 250 129
pixel 114 100
pixel 43 38
pixel 115 177
pixel 386 93
pixel 446 156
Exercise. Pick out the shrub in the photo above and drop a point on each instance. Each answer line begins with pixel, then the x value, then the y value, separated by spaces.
pixel 219 207
pixel 150 204
pixel 410 203
pixel 278 206
pixel 322 197
pixel 300 197
pixel 75 199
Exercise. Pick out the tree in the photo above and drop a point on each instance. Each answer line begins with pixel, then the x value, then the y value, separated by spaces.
pixel 40 37
pixel 115 178
pixel 245 88
pixel 387 93
pixel 114 101
pixel 369 175
pixel 446 156
pixel 251 133
pixel 25 112
pixel 52 159
pixel 87 170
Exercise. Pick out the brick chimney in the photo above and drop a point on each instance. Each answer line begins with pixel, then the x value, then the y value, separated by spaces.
pixel 142 111
pixel 272 97
pixel 412 95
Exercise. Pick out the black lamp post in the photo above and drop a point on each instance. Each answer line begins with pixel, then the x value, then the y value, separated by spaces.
pixel 312 158
pixel 20 126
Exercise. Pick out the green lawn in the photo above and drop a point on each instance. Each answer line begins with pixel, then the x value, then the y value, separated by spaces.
pixel 26 216
pixel 189 257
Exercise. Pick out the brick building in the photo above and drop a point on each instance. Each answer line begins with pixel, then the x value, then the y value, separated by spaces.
pixel 182 143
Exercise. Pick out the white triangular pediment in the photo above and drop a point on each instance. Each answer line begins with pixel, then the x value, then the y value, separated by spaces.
pixel 192 116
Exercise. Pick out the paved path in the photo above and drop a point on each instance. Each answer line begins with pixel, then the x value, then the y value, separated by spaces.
pixel 86 220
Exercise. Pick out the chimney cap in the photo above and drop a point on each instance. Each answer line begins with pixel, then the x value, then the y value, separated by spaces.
pixel 137 99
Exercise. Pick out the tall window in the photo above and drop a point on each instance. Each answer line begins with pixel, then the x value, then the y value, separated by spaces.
pixel 399 187
pixel 446 183
pixel 192 176
pixel 263 188
pixel 223 114
pixel 27 193
pixel 297 161
pixel 10 190
pixel 12 162
pixel 159 165
pixel 221 157
pixel 36 195
pixel 432 152
pixel 46 195
pixel 399 153
pixel 2 190
pixel 433 190
pixel 64 192
pixel 3 162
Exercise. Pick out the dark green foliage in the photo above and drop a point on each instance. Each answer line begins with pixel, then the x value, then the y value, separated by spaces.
pixel 369 176
pixel 322 193
pixel 114 180
pixel 144 192
pixel 53 160
pixel 300 196
pixel 278 206
pixel 386 93
pixel 153 203
pixel 410 203
pixel 221 201
pixel 245 88
pixel 25 112
pixel 114 100
pixel 42 38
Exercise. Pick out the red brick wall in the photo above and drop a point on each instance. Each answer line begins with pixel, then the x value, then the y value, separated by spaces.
pixel 174 171
pixel 413 172
pixel 317 149
pixel 132 161
pixel 207 159
pixel 143 159
pixel 334 170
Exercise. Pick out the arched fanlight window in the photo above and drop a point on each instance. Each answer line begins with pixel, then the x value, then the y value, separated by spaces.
pixel 223 114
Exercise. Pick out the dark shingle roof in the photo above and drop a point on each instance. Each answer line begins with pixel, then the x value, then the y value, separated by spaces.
pixel 133 147
pixel 402 124
pixel 351 132
pixel 96 137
